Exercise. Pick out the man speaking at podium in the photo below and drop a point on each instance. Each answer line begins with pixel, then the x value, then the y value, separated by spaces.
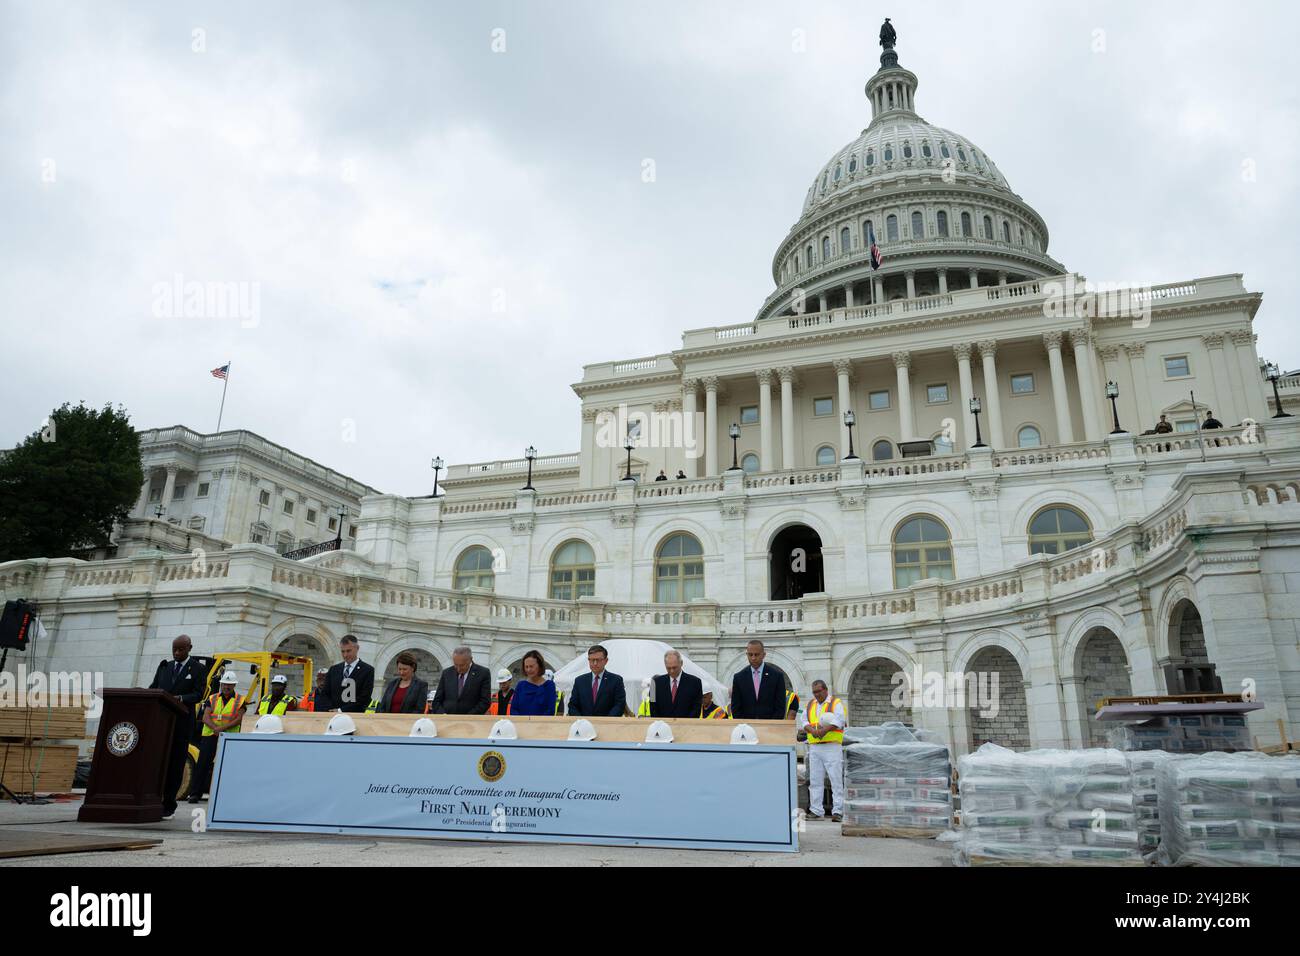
pixel 185 678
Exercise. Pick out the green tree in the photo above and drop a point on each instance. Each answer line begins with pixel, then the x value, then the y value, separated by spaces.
pixel 66 485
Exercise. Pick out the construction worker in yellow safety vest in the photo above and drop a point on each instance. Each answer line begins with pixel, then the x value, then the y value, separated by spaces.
pixel 643 709
pixel 791 705
pixel 559 695
pixel 222 716
pixel 711 711
pixel 279 702
pixel 825 729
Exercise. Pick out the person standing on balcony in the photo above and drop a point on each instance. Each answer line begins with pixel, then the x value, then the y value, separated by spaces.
pixel 758 691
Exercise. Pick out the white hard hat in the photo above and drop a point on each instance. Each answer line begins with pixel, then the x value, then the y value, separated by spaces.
pixel 743 734
pixel 550 674
pixel 229 678
pixel 269 724
pixel 582 729
pixel 645 683
pixel 831 718
pixel 659 733
pixel 503 730
pixel 341 725
pixel 424 727
pixel 322 670
pixel 504 675
pixel 279 679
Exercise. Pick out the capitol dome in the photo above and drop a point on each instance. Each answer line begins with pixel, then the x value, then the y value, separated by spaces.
pixel 943 216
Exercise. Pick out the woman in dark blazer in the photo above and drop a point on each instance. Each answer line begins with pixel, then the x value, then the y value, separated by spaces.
pixel 405 693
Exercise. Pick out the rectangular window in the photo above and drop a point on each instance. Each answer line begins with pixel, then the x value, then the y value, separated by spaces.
pixel 334 524
pixel 179 492
pixel 749 415
pixel 288 507
pixel 1022 384
pixel 352 531
pixel 936 394
pixel 1176 367
pixel 878 401
pixel 203 490
pixel 311 515
pixel 1185 426
pixel 823 406
pixel 155 495
pixel 264 497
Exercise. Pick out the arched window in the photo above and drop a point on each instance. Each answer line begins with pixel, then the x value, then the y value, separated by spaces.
pixel 941 220
pixel 922 549
pixel 853 165
pixel 797 267
pixel 976 153
pixel 1006 232
pixel 866 232
pixel 825 455
pixel 907 150
pixel 918 226
pixel 889 153
pixel 961 154
pixel 943 151
pixel 839 171
pixel 871 158
pixel 926 151
pixel 1029 437
pixel 891 227
pixel 1058 528
pixel 679 570
pixel 882 450
pixel 826 248
pixel 845 242
pixel 942 444
pixel 965 224
pixel 809 258
pixel 824 177
pixel 474 569
pixel 573 571
pixel 750 464
pixel 988 227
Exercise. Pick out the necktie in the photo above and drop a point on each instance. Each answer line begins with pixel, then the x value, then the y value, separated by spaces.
pixel 460 686
pixel 756 680
pixel 347 671
pixel 176 669
pixel 595 688
pixel 674 690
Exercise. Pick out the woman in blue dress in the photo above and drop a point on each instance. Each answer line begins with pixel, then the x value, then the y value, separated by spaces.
pixel 534 695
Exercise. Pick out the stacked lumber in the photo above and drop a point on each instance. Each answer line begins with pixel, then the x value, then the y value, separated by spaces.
pixel 31 758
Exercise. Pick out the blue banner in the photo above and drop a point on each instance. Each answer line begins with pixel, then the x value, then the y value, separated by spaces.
pixel 675 795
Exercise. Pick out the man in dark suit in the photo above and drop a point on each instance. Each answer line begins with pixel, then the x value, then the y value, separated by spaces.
pixel 349 684
pixel 597 693
pixel 677 693
pixel 758 691
pixel 464 688
pixel 185 678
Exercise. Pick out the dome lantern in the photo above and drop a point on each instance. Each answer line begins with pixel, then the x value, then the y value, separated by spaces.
pixel 892 89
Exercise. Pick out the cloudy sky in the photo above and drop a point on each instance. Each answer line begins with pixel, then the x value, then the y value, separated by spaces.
pixel 442 212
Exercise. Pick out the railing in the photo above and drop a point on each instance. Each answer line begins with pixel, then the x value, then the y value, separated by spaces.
pixel 1050 454
pixel 768 616
pixel 679 486
pixel 1272 493
pixel 784 479
pixel 312 550
pixel 480 506
pixel 565 498
pixel 512 465
pixel 927 466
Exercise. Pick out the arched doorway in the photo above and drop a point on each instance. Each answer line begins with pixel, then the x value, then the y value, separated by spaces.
pixel 1187 647
pixel 874 690
pixel 1103 667
pixel 1003 717
pixel 303 645
pixel 427 668
pixel 795 563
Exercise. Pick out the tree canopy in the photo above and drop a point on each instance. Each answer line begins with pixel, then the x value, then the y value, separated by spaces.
pixel 66 485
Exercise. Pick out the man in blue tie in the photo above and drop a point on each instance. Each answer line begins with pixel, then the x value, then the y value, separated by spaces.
pixel 598 693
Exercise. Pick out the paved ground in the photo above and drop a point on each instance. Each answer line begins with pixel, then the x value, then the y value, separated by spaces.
pixel 820 845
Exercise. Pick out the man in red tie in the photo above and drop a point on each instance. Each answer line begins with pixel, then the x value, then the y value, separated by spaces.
pixel 677 693
pixel 599 692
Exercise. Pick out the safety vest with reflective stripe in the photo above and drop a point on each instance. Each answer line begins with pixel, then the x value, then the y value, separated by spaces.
pixel 559 704
pixel 815 711
pixel 644 709
pixel 221 710
pixel 308 703
pixel 791 702
pixel 718 713
pixel 280 707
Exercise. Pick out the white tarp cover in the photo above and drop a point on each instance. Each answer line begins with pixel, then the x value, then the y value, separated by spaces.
pixel 635 660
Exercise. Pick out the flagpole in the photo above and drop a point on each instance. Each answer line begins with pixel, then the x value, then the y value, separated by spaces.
pixel 1197 418
pixel 225 384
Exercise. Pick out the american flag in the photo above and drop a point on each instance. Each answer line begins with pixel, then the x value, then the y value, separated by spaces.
pixel 876 257
pixel 221 372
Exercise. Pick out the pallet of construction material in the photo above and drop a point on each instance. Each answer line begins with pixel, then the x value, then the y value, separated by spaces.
pixel 57 764
pixel 1046 807
pixel 1184 733
pixel 48 723
pixel 896 784
pixel 1239 809
pixel 1145 766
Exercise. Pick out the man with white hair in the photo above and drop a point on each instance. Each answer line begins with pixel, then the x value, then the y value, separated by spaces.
pixel 825 729
pixel 676 693
pixel 465 687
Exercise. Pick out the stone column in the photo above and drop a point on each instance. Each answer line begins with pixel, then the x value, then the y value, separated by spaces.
pixel 1082 343
pixel 992 392
pixel 710 425
pixel 906 423
pixel 848 296
pixel 821 297
pixel 962 351
pixel 142 506
pixel 1060 398
pixel 787 416
pixel 1144 412
pixel 843 373
pixel 879 285
pixel 974 278
pixel 586 470
pixel 1002 278
pixel 1109 355
pixel 765 419
pixel 690 430
pixel 1252 382
pixel 170 488
pixel 943 281
pixel 910 274
pixel 1220 398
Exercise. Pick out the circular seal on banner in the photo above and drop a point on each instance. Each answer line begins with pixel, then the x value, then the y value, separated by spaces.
pixel 122 738
pixel 492 766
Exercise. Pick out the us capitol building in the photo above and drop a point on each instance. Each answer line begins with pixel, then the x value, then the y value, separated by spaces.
pixel 1060 547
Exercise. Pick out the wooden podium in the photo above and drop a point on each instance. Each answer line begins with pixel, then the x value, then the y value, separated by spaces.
pixel 131 754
